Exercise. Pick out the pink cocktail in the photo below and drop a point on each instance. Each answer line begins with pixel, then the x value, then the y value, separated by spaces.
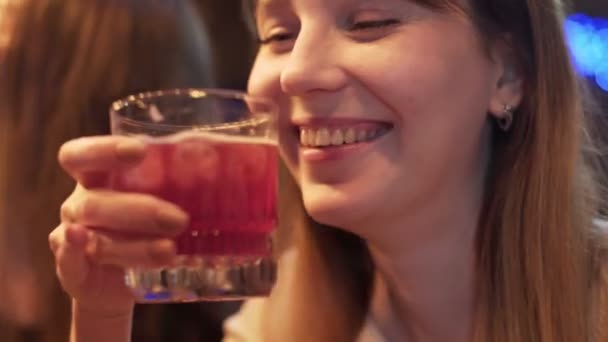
pixel 213 153
pixel 227 185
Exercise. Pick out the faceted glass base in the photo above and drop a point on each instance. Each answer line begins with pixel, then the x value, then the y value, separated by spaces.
pixel 204 278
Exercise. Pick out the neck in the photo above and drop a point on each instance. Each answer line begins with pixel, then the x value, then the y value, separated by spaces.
pixel 426 272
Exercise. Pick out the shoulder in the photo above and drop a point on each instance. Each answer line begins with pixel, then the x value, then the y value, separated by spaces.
pixel 602 300
pixel 602 225
pixel 246 325
pixel 601 234
pixel 369 332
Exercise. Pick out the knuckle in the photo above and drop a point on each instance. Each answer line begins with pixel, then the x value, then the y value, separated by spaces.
pixel 66 212
pixel 95 249
pixel 54 240
pixel 86 207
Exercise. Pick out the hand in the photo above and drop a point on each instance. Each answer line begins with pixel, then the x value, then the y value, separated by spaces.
pixel 103 231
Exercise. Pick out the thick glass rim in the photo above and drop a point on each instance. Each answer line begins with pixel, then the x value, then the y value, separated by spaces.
pixel 195 93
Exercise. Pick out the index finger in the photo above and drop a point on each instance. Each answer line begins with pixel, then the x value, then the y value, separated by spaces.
pixel 86 159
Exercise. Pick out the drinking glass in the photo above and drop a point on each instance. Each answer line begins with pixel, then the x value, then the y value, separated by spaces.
pixel 214 154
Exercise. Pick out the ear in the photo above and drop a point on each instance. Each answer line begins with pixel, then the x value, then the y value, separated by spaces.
pixel 508 85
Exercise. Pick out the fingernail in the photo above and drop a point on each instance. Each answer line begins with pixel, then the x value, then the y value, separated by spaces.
pixel 170 220
pixel 130 151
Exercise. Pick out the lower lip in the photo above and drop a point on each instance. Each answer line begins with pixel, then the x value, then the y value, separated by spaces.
pixel 332 153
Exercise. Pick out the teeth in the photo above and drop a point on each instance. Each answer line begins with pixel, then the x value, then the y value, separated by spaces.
pixel 325 137
pixel 337 138
pixel 311 137
pixel 304 137
pixel 350 136
pixel 361 135
pixel 372 134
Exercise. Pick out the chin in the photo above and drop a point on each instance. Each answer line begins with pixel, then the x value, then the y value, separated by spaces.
pixel 333 208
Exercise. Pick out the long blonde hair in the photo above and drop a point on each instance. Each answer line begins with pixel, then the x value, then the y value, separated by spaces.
pixel 63 64
pixel 541 259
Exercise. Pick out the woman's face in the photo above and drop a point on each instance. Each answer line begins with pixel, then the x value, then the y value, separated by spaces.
pixel 383 103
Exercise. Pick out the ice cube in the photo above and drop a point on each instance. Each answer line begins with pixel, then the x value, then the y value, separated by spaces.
pixel 148 176
pixel 194 161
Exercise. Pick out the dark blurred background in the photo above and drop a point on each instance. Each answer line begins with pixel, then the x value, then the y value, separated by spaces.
pixel 595 7
pixel 154 44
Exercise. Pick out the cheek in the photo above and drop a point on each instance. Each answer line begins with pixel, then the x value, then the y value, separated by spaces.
pixel 441 88
pixel 264 78
pixel 439 95
pixel 264 81
pixel 434 63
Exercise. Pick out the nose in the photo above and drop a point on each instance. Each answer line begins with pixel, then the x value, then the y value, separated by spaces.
pixel 312 65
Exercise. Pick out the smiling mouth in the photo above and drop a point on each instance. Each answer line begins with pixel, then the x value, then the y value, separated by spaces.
pixel 320 136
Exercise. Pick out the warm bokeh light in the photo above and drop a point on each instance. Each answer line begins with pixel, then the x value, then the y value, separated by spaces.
pixel 5 6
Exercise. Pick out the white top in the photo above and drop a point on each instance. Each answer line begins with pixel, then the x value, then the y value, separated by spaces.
pixel 245 325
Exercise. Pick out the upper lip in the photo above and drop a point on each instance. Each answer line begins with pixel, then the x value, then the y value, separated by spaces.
pixel 312 122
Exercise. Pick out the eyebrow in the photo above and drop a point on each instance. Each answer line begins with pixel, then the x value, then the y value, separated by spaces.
pixel 269 6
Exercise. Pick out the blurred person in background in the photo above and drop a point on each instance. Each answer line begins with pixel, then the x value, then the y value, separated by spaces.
pixel 62 62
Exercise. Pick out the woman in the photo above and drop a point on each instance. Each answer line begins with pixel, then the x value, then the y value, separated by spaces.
pixel 461 202
pixel 62 62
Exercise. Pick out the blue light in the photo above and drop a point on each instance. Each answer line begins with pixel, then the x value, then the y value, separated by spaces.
pixel 588 43
pixel 601 78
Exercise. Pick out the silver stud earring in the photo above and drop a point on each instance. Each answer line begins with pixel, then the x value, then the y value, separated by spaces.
pixel 506 120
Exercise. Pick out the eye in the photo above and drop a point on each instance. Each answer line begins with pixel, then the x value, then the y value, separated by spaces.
pixel 278 37
pixel 373 24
